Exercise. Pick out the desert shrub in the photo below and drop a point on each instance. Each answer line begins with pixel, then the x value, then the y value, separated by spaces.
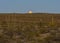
pixel 26 32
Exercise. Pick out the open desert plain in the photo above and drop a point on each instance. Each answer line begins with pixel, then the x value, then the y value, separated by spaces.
pixel 29 28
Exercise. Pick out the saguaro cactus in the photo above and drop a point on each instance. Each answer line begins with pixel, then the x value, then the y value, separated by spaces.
pixel 52 23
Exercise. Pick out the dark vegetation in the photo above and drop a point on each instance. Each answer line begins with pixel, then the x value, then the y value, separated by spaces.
pixel 29 28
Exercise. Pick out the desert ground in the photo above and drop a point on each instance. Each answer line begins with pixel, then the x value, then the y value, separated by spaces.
pixel 29 28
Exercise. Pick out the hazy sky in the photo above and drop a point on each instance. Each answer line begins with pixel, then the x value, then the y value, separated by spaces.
pixel 51 6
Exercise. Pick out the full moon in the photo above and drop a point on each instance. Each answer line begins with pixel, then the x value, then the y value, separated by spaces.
pixel 30 12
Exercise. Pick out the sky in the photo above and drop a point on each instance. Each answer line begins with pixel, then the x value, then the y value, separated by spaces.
pixel 23 6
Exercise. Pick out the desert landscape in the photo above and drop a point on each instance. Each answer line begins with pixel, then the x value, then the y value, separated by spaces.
pixel 29 28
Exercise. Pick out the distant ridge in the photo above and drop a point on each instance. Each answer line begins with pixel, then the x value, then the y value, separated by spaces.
pixel 28 13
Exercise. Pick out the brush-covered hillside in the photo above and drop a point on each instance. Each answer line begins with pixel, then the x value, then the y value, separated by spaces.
pixel 29 28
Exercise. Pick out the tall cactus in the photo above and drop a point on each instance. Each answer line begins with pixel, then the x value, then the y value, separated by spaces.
pixel 52 22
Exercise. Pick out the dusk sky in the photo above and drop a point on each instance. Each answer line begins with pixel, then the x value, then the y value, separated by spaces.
pixel 22 6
